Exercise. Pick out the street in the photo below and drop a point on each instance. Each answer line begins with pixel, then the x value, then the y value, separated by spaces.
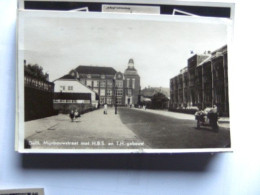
pixel 159 131
pixel 129 129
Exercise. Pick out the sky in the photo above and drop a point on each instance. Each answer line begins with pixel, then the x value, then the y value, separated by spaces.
pixel 160 48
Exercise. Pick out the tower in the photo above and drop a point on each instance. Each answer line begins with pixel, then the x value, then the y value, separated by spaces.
pixel 131 84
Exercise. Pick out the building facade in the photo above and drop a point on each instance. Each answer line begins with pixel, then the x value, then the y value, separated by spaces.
pixel 112 87
pixel 203 83
pixel 70 94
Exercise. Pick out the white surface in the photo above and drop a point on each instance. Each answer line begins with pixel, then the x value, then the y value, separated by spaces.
pixel 77 87
pixel 229 173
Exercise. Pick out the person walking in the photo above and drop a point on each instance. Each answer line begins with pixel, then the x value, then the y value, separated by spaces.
pixel 72 115
pixel 76 114
pixel 105 108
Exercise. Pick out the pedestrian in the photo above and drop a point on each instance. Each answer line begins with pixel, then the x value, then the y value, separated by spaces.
pixel 72 115
pixel 105 108
pixel 215 109
pixel 76 114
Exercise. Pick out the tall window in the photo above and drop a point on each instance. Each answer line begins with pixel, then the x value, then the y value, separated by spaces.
pixel 127 83
pixel 109 100
pixel 109 92
pixel 133 83
pixel 102 92
pixel 102 83
pixel 109 83
pixel 119 83
pixel 129 92
pixel 119 92
pixel 95 84
pixel 102 100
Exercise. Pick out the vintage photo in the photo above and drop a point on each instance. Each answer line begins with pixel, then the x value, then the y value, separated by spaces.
pixel 102 82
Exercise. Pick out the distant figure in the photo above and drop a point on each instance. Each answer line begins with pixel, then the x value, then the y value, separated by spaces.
pixel 72 115
pixel 215 109
pixel 76 114
pixel 105 108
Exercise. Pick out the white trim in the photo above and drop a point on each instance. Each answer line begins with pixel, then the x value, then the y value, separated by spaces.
pixel 129 151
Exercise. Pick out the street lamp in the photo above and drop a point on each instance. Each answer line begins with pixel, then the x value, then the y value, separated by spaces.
pixel 115 95
pixel 115 100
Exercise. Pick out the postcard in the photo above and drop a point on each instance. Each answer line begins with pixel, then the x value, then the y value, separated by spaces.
pixel 92 82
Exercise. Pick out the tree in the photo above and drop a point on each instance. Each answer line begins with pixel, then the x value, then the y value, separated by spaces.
pixel 159 101
pixel 35 71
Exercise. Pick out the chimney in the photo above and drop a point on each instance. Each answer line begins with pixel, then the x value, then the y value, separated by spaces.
pixel 24 62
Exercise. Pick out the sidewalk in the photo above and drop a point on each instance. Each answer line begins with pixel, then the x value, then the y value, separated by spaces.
pixel 94 120
pixel 223 121
pixel 91 128
pixel 39 125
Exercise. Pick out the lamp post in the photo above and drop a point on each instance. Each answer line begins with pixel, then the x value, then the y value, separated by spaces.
pixel 115 95
pixel 115 100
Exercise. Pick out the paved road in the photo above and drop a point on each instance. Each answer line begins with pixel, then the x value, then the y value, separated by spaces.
pixel 93 130
pixel 159 131
pixel 131 128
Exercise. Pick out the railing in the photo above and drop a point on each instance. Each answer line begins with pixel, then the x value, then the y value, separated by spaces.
pixel 38 84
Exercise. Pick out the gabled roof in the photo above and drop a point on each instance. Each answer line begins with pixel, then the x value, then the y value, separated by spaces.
pixel 95 70
pixel 67 77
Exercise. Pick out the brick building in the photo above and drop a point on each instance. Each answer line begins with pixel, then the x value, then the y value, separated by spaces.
pixel 111 86
pixel 203 83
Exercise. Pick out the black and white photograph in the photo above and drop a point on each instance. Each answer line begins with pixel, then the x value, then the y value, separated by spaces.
pixel 112 82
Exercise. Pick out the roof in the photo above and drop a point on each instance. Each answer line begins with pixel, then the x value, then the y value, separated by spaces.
pixel 95 70
pixel 205 61
pixel 221 49
pixel 129 71
pixel 67 77
pixel 149 92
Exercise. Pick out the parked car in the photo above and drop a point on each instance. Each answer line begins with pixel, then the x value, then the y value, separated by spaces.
pixel 207 117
